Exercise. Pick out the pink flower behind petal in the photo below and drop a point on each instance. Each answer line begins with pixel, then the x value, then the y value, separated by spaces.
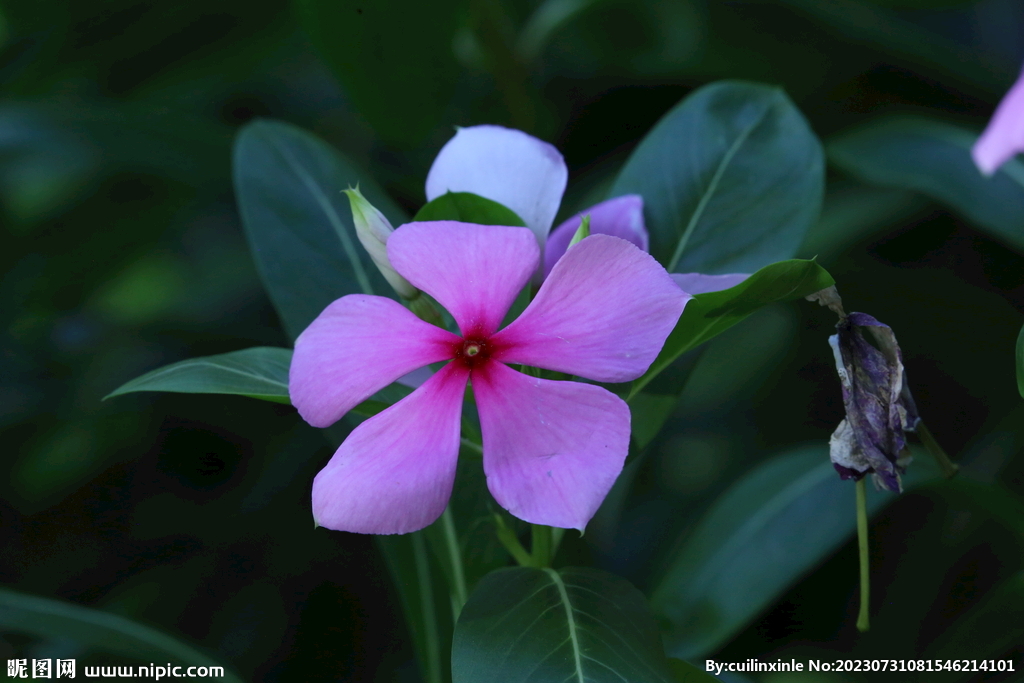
pixel 619 217
pixel 1004 136
pixel 698 283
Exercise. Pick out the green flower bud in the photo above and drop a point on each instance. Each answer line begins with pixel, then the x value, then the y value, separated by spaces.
pixel 373 230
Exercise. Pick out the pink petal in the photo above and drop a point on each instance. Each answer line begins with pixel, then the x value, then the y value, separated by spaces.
pixel 619 217
pixel 357 346
pixel 394 472
pixel 474 271
pixel 552 450
pixel 698 283
pixel 603 313
pixel 1004 136
pixel 506 166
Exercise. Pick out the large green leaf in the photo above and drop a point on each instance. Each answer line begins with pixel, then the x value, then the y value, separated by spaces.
pixel 732 178
pixel 525 624
pixel 934 158
pixel 259 372
pixel 394 58
pixel 468 208
pixel 763 533
pixel 45 618
pixel 289 184
pixel 712 313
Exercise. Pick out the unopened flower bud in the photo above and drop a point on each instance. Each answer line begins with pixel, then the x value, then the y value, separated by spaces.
pixel 373 230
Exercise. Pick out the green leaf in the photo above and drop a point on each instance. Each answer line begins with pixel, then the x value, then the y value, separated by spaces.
pixel 763 533
pixel 993 629
pixel 712 313
pixel 289 184
pixel 45 618
pixel 259 372
pixel 684 672
pixel 424 599
pixel 732 178
pixel 934 158
pixel 1020 362
pixel 468 208
pixel 394 58
pixel 568 625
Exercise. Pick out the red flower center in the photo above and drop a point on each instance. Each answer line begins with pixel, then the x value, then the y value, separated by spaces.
pixel 473 351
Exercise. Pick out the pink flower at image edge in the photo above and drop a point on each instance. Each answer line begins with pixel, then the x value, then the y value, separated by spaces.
pixel 551 449
pixel 1004 136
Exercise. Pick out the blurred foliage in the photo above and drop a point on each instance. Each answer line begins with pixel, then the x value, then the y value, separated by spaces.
pixel 124 251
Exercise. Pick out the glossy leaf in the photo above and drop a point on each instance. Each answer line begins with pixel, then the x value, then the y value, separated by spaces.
pixel 289 184
pixel 732 178
pixel 762 534
pixel 45 618
pixel 934 158
pixel 712 313
pixel 525 624
pixel 259 372
pixel 394 58
pixel 468 208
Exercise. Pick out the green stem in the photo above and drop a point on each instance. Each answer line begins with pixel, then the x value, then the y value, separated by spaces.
pixel 433 664
pixel 451 541
pixel 424 310
pixel 542 545
pixel 949 468
pixel 862 544
pixel 508 539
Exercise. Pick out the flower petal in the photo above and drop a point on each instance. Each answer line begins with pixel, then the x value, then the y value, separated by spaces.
pixel 1004 135
pixel 357 346
pixel 619 217
pixel 394 473
pixel 504 165
pixel 698 283
pixel 552 450
pixel 603 313
pixel 474 271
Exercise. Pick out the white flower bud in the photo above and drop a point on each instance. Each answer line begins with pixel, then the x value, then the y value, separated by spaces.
pixel 373 230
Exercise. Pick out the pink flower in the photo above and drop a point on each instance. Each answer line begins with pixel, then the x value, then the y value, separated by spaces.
pixel 528 176
pixel 551 450
pixel 1004 136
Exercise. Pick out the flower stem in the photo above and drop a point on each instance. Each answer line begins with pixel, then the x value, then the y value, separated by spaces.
pixel 862 544
pixel 433 646
pixel 949 468
pixel 458 589
pixel 424 310
pixel 542 545
pixel 507 538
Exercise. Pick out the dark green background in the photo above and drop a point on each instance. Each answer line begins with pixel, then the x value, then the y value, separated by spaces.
pixel 122 251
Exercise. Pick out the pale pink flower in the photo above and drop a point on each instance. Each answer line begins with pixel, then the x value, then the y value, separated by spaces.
pixel 1004 136
pixel 551 449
